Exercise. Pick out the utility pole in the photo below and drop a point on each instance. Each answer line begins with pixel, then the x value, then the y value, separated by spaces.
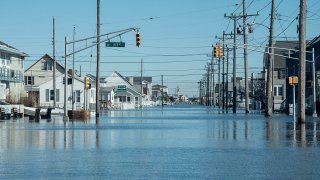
pixel 141 90
pixel 72 85
pixel 245 56
pixel 98 60
pixel 234 101
pixel 213 86
pixel 268 111
pixel 65 115
pixel 162 91
pixel 314 86
pixel 223 63
pixel 219 85
pixel 302 57
pixel 227 81
pixel 208 84
pixel 54 63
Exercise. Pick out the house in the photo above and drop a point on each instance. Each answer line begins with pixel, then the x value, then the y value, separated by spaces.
pixel 293 70
pixel 81 95
pixel 157 92
pixel 281 68
pixel 39 82
pixel 11 73
pixel 145 87
pixel 107 97
pixel 126 96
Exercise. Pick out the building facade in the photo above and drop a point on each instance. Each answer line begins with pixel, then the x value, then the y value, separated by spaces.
pixel 11 73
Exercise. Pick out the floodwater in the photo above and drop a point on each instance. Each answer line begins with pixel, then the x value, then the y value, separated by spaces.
pixel 177 142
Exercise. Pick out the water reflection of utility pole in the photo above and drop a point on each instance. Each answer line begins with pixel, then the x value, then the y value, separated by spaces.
pixel 97 139
pixel 314 133
pixel 303 135
pixel 294 133
pixel 246 130
pixel 234 130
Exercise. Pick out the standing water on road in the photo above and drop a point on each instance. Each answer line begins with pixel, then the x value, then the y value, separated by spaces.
pixel 176 142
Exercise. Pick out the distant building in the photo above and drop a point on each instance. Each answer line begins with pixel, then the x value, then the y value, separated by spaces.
pixel 146 85
pixel 126 96
pixel 11 73
pixel 157 91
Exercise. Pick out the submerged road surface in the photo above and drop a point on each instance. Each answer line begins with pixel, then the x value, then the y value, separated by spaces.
pixel 177 142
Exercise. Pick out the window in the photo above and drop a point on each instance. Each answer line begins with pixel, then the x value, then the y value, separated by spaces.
pixel 69 80
pixel 47 95
pixel 278 90
pixel 29 80
pixel 51 95
pixel 46 65
pixel 282 74
pixel 77 96
pixel 128 99
pixel 57 95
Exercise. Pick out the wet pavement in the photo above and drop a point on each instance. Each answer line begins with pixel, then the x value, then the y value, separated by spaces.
pixel 177 142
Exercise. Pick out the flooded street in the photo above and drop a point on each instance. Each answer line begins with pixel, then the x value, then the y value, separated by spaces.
pixel 178 142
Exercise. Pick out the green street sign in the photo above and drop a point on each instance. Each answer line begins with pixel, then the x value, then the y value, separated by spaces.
pixel 115 44
pixel 121 88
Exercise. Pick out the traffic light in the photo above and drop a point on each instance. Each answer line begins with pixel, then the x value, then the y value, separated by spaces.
pixel 87 84
pixel 220 51
pixel 215 51
pixel 138 39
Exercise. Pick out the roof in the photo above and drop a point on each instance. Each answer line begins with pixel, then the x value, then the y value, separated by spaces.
pixel 44 57
pixel 10 49
pixel 314 41
pixel 280 62
pixel 124 79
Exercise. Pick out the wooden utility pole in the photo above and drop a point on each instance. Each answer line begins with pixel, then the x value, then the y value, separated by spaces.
pixel 213 86
pixel 65 115
pixel 302 58
pixel 268 111
pixel 54 63
pixel 162 91
pixel 245 38
pixel 208 84
pixel 72 85
pixel 98 60
pixel 141 90
pixel 227 81
pixel 234 100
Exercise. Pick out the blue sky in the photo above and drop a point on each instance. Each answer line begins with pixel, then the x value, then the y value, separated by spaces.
pixel 176 36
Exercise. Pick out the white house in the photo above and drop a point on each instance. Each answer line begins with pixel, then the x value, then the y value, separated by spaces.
pixel 39 85
pixel 11 73
pixel 125 95
pixel 81 98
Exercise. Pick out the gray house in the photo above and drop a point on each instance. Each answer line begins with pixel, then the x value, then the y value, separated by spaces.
pixel 281 67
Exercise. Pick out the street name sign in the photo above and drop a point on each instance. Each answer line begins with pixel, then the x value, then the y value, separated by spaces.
pixel 115 44
pixel 122 88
